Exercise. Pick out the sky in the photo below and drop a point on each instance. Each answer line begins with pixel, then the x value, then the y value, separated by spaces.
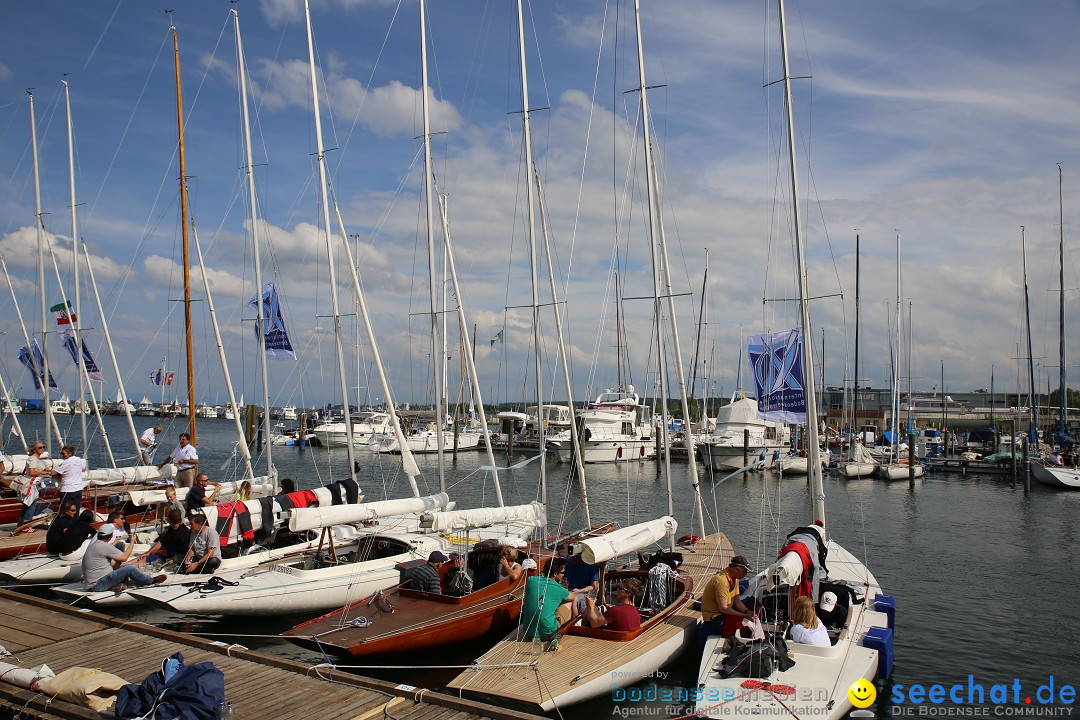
pixel 938 123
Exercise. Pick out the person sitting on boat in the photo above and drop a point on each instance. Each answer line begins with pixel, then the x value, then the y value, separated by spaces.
pixel 582 578
pixel 103 564
pixel 1055 458
pixel 426 577
pixel 528 565
pixel 204 553
pixel 197 498
pixel 806 627
pixel 172 543
pixel 70 474
pixel 171 503
pixel 508 564
pixel 829 613
pixel 244 493
pixel 622 615
pixel 121 528
pixel 186 458
pixel 73 538
pixel 69 512
pixel 148 443
pixel 545 606
pixel 721 608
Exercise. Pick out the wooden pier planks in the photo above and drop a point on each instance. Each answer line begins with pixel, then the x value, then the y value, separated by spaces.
pixel 41 631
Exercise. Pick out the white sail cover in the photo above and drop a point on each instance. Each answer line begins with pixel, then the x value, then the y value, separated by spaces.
pixel 629 539
pixel 260 486
pixel 101 476
pixel 309 518
pixel 532 514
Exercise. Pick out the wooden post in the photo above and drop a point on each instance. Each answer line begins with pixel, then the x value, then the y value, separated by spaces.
pixel 745 447
pixel 1012 450
pixel 457 434
pixel 1027 465
pixel 911 459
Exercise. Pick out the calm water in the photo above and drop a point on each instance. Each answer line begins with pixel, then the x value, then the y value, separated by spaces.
pixel 985 577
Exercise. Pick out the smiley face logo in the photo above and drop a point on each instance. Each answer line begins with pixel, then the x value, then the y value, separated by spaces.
pixel 862 693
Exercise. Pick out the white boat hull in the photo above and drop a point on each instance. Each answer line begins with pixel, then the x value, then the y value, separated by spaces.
pixel 898 471
pixel 857 469
pixel 730 457
pixel 608 451
pixel 1059 477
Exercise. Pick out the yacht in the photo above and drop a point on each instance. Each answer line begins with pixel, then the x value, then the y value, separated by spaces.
pixel 618 427
pixel 739 433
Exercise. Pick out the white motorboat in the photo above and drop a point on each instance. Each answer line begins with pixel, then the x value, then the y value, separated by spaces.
pixel 61 406
pixel 426 440
pixel 145 408
pixel 1056 476
pixel 739 432
pixel 618 428
pixel 366 424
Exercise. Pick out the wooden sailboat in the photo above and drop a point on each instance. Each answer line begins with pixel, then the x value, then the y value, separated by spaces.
pixel 591 661
pixel 862 643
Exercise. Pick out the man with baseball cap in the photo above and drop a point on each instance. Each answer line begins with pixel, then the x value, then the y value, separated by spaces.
pixel 426 577
pixel 721 608
pixel 103 564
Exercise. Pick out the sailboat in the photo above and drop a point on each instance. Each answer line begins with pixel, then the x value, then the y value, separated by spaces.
pixel 589 661
pixel 861 645
pixel 861 463
pixel 1058 476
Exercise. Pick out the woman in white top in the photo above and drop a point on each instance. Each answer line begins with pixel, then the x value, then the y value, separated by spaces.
pixel 806 628
pixel 508 565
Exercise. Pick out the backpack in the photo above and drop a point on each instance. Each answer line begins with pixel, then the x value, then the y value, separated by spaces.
pixel 756 659
pixel 459 584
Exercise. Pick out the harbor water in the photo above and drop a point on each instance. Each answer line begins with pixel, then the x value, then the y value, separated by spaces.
pixel 985 575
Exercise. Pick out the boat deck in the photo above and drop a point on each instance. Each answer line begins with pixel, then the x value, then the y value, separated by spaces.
pixel 524 671
pixel 40 631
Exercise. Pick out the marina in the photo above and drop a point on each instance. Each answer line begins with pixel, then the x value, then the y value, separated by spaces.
pixel 522 368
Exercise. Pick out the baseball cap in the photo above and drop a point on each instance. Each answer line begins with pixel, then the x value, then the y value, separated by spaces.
pixel 741 562
pixel 106 529
pixel 828 601
pixel 528 564
pixel 437 556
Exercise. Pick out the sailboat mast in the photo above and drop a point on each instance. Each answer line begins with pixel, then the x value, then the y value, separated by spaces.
pixel 324 194
pixel 895 400
pixel 436 346
pixel 76 310
pixel 533 274
pixel 813 459
pixel 263 305
pixel 1033 410
pixel 855 403
pixel 39 228
pixel 184 235
pixel 1061 307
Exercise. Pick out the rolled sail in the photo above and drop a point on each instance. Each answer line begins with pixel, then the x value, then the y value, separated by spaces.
pixel 309 518
pixel 260 486
pixel 532 514
pixel 626 540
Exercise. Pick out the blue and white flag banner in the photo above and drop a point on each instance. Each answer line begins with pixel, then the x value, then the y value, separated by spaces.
pixel 92 370
pixel 36 365
pixel 278 345
pixel 777 366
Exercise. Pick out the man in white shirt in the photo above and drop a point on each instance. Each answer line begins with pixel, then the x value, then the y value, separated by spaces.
pixel 70 474
pixel 186 458
pixel 148 443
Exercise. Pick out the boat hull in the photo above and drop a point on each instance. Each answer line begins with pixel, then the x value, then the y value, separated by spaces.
pixel 898 471
pixel 1059 477
pixel 608 451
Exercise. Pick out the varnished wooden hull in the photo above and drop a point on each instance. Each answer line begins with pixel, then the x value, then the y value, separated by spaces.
pixel 419 621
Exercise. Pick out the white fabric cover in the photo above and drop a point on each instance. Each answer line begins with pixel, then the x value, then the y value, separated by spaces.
pixel 309 518
pixel 626 540
pixel 260 486
pixel 788 570
pixel 23 677
pixel 532 514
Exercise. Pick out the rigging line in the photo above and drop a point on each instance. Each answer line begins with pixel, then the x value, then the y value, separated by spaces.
pixel 367 87
pixel 108 24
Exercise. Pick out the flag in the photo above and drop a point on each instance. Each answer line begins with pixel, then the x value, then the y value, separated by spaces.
pixel 155 377
pixel 64 316
pixel 498 338
pixel 776 365
pixel 36 365
pixel 271 322
pixel 92 370
pixel 169 378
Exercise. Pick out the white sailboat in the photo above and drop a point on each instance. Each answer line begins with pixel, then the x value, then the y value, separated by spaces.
pixel 862 644
pixel 738 427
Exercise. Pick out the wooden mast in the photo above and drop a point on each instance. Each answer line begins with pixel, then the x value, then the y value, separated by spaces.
pixel 184 235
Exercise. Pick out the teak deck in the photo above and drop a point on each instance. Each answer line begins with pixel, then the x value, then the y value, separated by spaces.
pixel 40 631
pixel 523 671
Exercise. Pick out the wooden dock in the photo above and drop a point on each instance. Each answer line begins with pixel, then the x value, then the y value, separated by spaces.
pixel 40 631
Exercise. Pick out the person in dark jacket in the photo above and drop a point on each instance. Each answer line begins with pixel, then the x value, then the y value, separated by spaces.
pixel 172 544
pixel 76 535
pixel 426 577
pixel 68 516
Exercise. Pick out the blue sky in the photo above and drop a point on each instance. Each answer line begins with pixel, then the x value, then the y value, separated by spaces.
pixel 938 121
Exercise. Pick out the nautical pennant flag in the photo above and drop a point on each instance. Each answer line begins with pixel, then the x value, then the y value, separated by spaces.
pixel 159 377
pixel 36 365
pixel 64 316
pixel 776 364
pixel 92 370
pixel 498 338
pixel 278 346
